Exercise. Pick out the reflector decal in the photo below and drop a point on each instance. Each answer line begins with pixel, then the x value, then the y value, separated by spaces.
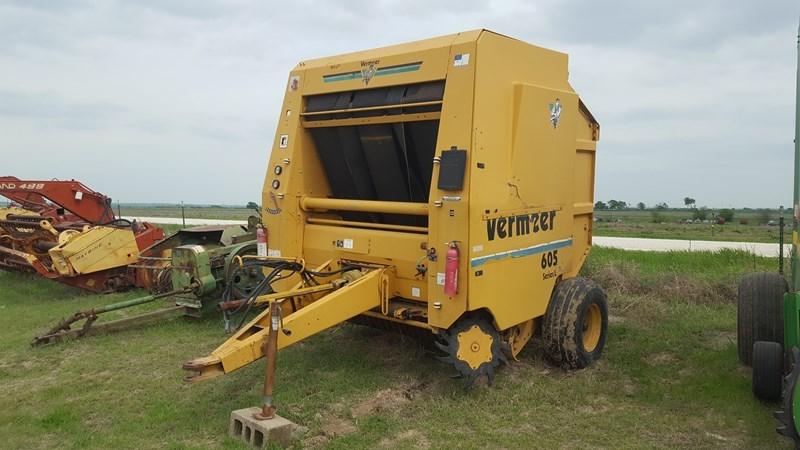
pixel 372 71
pixel 521 252
pixel 555 112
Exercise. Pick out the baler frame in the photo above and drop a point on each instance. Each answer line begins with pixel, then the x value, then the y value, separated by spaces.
pixel 461 195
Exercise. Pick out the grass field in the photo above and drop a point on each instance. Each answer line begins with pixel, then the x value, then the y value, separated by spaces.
pixel 191 212
pixel 671 224
pixel 669 377
pixel 628 223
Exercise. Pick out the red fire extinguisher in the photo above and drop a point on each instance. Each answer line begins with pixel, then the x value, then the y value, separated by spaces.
pixel 451 270
pixel 261 241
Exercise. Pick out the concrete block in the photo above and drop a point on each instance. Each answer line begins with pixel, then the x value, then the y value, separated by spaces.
pixel 257 433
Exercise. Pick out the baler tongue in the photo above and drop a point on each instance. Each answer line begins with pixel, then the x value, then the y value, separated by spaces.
pixel 308 310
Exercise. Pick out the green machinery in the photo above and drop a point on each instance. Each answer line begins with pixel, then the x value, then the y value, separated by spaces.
pixel 196 267
pixel 769 319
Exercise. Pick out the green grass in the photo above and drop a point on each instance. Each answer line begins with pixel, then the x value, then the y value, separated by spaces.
pixel 191 212
pixel 671 224
pixel 669 377
pixel 699 232
pixel 628 223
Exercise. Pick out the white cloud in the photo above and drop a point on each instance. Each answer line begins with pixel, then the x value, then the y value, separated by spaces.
pixel 172 100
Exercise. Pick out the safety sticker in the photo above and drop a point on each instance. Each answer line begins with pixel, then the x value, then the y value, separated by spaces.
pixel 275 253
pixel 272 207
pixel 461 59
pixel 440 278
pixel 415 292
pixel 294 83
pixel 284 141
pixel 555 112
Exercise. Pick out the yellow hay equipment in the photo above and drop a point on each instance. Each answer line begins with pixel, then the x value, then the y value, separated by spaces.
pixel 444 185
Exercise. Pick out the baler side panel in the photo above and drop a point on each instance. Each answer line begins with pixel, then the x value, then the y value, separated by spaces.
pixel 301 174
pixel 522 197
pixel 450 221
pixel 587 134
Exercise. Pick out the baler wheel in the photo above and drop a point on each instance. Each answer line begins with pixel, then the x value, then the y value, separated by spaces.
pixel 574 327
pixel 474 348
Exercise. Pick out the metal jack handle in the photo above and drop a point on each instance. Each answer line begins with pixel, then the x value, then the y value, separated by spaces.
pixel 268 409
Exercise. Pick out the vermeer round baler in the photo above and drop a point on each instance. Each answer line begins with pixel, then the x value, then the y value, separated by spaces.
pixel 443 186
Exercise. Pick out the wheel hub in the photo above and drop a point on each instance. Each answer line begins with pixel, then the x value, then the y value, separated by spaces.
pixel 474 348
pixel 592 327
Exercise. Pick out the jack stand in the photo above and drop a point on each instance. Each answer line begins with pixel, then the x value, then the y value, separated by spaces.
pixel 259 426
pixel 268 410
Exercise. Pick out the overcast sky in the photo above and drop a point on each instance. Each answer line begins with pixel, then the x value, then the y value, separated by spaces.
pixel 174 100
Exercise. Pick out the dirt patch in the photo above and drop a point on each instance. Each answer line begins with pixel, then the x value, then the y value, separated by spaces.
pixel 630 388
pixel 595 404
pixel 744 371
pixel 406 439
pixel 717 437
pixel 660 359
pixel 318 441
pixel 387 400
pixel 613 320
pixel 333 426
pixel 334 423
pixel 718 341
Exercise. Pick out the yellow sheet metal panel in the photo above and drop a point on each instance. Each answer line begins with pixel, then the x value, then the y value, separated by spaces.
pixel 14 211
pixel 392 50
pixel 522 227
pixel 403 250
pixel 293 155
pixel 98 248
pixel 449 222
pixel 530 149
pixel 391 65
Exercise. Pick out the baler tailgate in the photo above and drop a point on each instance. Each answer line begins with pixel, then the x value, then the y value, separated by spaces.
pixel 343 301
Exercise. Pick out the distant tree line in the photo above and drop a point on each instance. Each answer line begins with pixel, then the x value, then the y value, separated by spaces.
pixel 703 213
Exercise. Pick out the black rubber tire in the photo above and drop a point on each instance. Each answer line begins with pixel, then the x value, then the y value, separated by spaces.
pixel 788 417
pixel 562 327
pixel 767 370
pixel 759 312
